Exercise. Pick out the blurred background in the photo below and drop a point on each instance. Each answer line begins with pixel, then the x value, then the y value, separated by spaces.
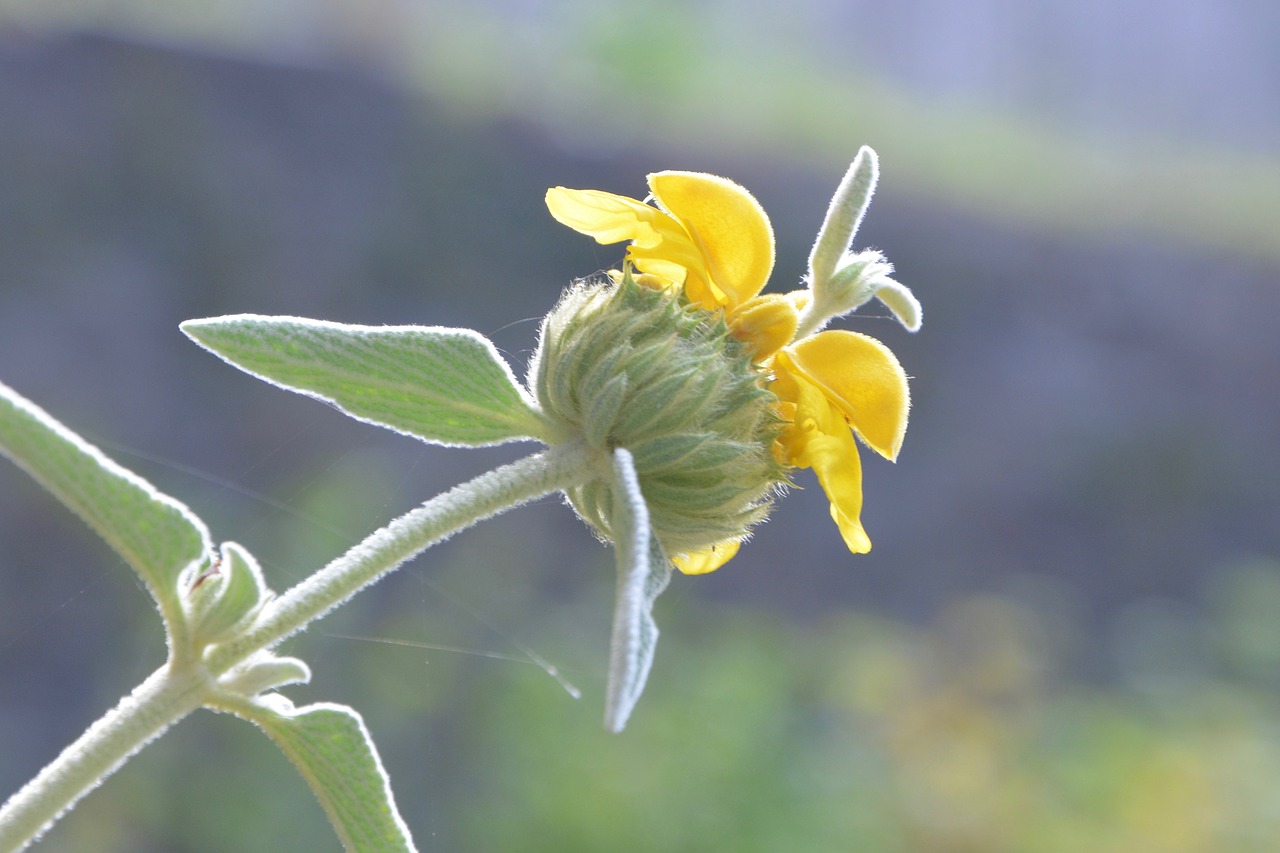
pixel 1066 637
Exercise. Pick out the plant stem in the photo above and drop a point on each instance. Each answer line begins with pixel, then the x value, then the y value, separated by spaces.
pixel 157 703
pixel 176 690
pixel 810 321
pixel 387 548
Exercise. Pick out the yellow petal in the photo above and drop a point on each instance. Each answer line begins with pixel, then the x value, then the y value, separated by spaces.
pixel 700 291
pixel 677 259
pixel 708 559
pixel 653 282
pixel 766 322
pixel 660 245
pixel 801 298
pixel 862 378
pixel 607 217
pixel 819 438
pixel 726 223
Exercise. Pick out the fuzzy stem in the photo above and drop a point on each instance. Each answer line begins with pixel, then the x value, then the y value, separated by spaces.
pixel 176 690
pixel 165 697
pixel 387 548
pixel 810 322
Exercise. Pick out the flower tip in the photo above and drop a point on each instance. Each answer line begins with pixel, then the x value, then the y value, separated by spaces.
pixel 706 560
pixel 899 299
pixel 561 203
pixel 851 530
pixel 555 196
pixel 891 449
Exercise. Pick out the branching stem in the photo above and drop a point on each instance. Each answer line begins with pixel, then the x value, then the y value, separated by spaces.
pixel 185 683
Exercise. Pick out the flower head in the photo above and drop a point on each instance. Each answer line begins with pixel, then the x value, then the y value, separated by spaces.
pixel 706 234
pixel 624 366
pixel 710 238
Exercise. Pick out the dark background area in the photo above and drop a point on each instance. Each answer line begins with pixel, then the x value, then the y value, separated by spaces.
pixel 1085 506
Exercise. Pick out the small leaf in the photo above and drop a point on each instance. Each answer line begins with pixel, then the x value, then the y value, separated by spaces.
pixel 156 535
pixel 264 671
pixel 643 573
pixel 844 215
pixel 447 386
pixel 218 603
pixel 901 301
pixel 334 752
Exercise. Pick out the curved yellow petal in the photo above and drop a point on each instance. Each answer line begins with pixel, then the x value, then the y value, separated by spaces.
pixel 863 379
pixel 727 224
pixel 701 291
pixel 708 559
pixel 649 280
pixel 676 258
pixel 660 245
pixel 767 323
pixel 607 217
pixel 819 438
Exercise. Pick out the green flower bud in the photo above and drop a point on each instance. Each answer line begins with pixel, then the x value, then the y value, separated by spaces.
pixel 225 597
pixel 623 365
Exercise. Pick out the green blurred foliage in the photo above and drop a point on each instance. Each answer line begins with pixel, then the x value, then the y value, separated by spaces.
pixel 974 732
pixel 970 733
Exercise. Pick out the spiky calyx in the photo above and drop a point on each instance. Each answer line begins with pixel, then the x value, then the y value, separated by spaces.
pixel 624 365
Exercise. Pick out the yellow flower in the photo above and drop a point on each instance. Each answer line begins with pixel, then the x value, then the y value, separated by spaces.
pixel 711 237
pixel 825 384
pixel 706 234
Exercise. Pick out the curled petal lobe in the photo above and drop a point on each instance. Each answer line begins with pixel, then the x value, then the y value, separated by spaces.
pixel 819 438
pixel 676 259
pixel 660 245
pixel 727 224
pixel 767 323
pixel 706 560
pixel 863 379
pixel 653 282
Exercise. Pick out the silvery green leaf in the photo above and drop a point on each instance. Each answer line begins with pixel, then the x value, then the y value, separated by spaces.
pixel 447 386
pixel 643 573
pixel 335 753
pixel 901 301
pixel 844 215
pixel 264 671
pixel 156 535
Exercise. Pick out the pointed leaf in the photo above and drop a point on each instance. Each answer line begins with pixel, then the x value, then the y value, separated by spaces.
pixel 643 573
pixel 155 534
pixel 264 671
pixel 334 752
pixel 844 215
pixel 447 386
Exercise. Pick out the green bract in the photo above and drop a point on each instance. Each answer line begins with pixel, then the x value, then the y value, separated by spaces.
pixel 628 366
pixel 643 573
